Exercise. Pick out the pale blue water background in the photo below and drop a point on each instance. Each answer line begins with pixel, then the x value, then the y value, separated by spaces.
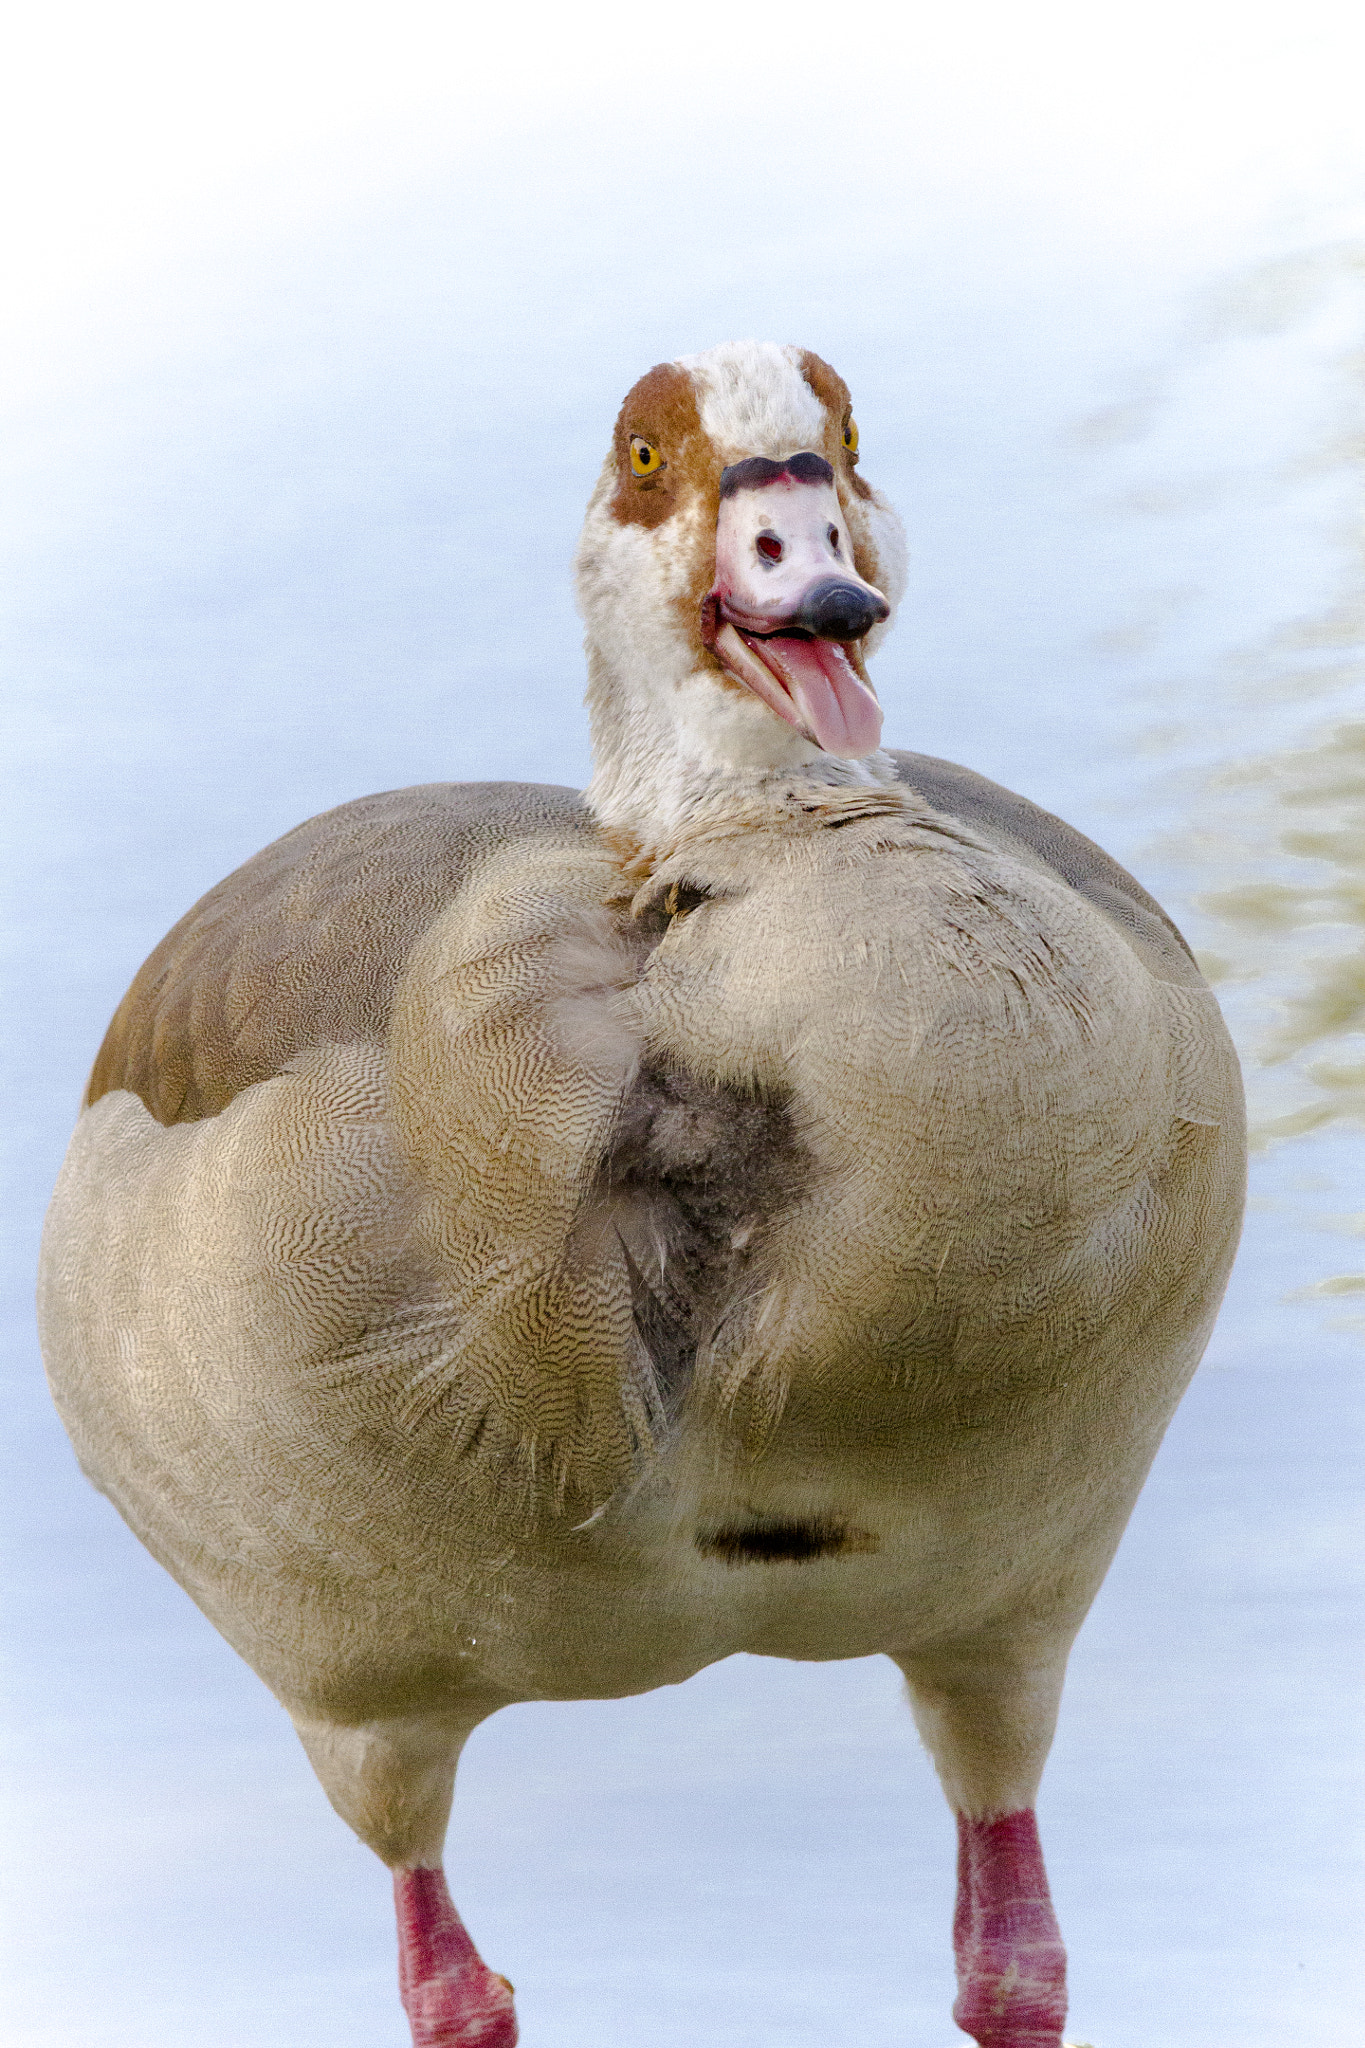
pixel 293 523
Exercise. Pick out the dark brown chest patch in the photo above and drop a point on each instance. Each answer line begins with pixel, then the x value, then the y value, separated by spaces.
pixel 698 1176
pixel 777 1542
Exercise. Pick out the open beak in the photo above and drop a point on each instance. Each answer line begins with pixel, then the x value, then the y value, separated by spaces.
pixel 788 609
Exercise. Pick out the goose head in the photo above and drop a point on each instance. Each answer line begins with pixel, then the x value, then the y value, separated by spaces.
pixel 734 571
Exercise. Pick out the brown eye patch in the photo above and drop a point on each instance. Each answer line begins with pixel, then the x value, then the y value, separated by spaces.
pixel 832 392
pixel 660 415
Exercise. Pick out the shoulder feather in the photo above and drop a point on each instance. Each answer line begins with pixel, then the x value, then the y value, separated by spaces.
pixel 305 943
pixel 1016 826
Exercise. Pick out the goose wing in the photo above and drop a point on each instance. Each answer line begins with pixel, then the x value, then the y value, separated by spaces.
pixel 306 943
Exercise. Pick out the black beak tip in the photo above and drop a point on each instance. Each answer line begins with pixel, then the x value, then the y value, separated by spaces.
pixel 836 609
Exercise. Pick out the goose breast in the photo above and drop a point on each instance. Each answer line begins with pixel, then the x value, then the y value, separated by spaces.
pixel 792 1172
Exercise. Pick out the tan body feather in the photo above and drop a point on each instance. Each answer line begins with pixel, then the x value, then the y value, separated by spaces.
pixel 360 1357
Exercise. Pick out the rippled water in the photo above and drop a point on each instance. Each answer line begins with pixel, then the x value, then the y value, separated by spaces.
pixel 1254 432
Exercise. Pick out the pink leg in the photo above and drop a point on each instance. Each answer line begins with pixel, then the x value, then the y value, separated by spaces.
pixel 1011 1966
pixel 451 1997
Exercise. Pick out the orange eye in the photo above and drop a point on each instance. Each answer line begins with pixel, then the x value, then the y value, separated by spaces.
pixel 851 436
pixel 644 458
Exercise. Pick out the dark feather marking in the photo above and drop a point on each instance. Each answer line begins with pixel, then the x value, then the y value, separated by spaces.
pixel 704 1169
pixel 664 1328
pixel 784 1542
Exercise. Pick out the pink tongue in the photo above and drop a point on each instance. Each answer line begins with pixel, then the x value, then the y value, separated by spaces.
pixel 833 701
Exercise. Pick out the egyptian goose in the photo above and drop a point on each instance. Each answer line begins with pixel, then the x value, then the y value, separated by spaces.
pixel 528 1246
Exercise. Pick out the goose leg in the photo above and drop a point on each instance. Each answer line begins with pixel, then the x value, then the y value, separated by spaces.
pixel 987 1718
pixel 1011 1965
pixel 451 1997
pixel 393 1781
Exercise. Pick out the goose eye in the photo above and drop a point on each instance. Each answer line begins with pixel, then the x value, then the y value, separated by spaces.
pixel 851 436
pixel 644 458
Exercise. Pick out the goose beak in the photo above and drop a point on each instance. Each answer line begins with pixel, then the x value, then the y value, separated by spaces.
pixel 788 608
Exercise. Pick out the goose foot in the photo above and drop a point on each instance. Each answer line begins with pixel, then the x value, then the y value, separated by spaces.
pixel 1011 1966
pixel 451 1997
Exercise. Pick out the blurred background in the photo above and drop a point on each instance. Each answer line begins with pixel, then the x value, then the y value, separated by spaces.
pixel 317 322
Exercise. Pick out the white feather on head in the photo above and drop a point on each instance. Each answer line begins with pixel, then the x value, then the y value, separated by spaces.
pixel 672 733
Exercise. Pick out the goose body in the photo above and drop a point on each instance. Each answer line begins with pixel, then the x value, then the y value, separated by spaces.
pixel 520 1246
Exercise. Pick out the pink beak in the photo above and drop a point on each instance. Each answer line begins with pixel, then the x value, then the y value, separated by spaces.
pixel 787 601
